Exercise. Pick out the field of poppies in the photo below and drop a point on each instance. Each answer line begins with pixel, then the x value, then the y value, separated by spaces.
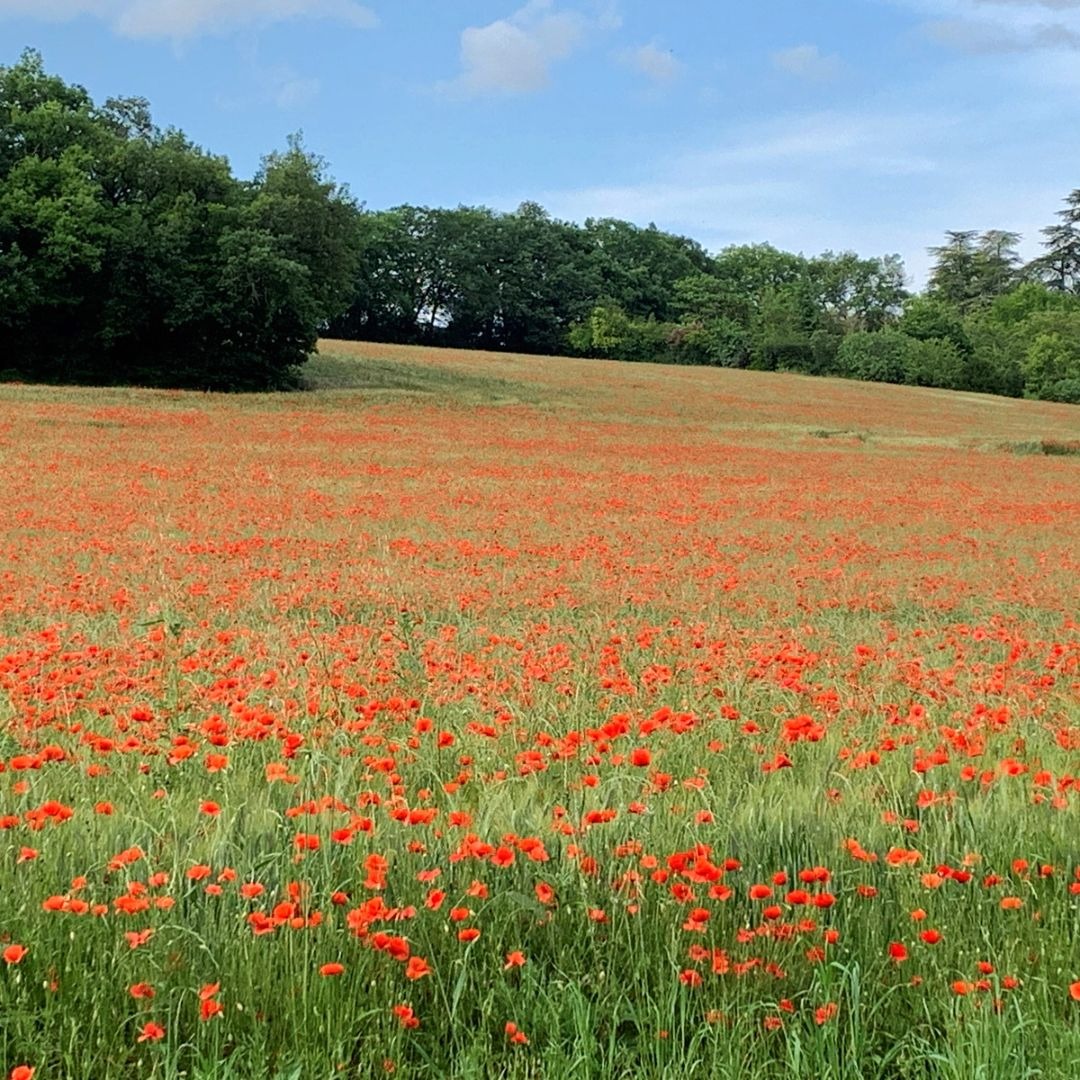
pixel 487 716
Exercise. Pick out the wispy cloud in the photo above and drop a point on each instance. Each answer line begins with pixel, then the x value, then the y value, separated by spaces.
pixel 869 179
pixel 515 55
pixel 807 62
pixel 290 90
pixel 182 19
pixel 988 27
pixel 1052 5
pixel 658 65
pixel 988 38
pixel 771 182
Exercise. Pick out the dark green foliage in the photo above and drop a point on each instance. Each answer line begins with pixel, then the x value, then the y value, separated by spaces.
pixel 926 318
pixel 782 327
pixel 972 269
pixel 721 341
pixel 994 366
pixel 856 293
pixel 1059 267
pixel 127 254
pixel 609 332
pixel 638 269
pixel 936 362
pixel 875 356
pixel 472 278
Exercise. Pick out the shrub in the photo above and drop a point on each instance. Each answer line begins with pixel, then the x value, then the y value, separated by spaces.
pixel 873 355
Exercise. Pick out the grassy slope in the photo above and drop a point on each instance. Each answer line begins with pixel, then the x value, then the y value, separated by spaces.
pixel 770 403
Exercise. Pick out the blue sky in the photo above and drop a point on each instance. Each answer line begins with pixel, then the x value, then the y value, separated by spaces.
pixel 872 125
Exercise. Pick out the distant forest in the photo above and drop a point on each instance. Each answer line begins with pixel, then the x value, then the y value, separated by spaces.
pixel 130 255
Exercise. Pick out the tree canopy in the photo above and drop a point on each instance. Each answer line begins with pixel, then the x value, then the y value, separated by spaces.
pixel 128 254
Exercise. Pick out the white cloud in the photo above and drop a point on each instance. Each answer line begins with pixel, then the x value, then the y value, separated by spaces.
pixel 1053 5
pixel 987 27
pixel 294 91
pixel 989 37
pixel 806 62
pixel 179 19
pixel 515 55
pixel 656 64
pixel 262 84
pixel 57 10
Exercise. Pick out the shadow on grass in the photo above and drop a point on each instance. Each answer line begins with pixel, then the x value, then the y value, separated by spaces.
pixel 1047 447
pixel 393 378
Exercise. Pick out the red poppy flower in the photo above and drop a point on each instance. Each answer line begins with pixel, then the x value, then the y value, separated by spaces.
pixel 406 1016
pixel 515 1034
pixel 210 1008
pixel 824 1013
pixel 417 968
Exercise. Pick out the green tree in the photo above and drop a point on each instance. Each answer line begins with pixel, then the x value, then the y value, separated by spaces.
pixel 1059 267
pixel 936 362
pixel 611 333
pixel 526 279
pixel 748 273
pixel 129 254
pixel 953 276
pixel 637 268
pixel 1051 363
pixel 782 328
pixel 997 351
pixel 856 293
pixel 999 263
pixel 1031 298
pixel 720 341
pixel 927 317
pixel 972 268
pixel 713 328
pixel 874 355
pixel 317 220
pixel 54 225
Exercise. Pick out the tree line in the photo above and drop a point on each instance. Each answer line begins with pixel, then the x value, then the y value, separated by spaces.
pixel 128 254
